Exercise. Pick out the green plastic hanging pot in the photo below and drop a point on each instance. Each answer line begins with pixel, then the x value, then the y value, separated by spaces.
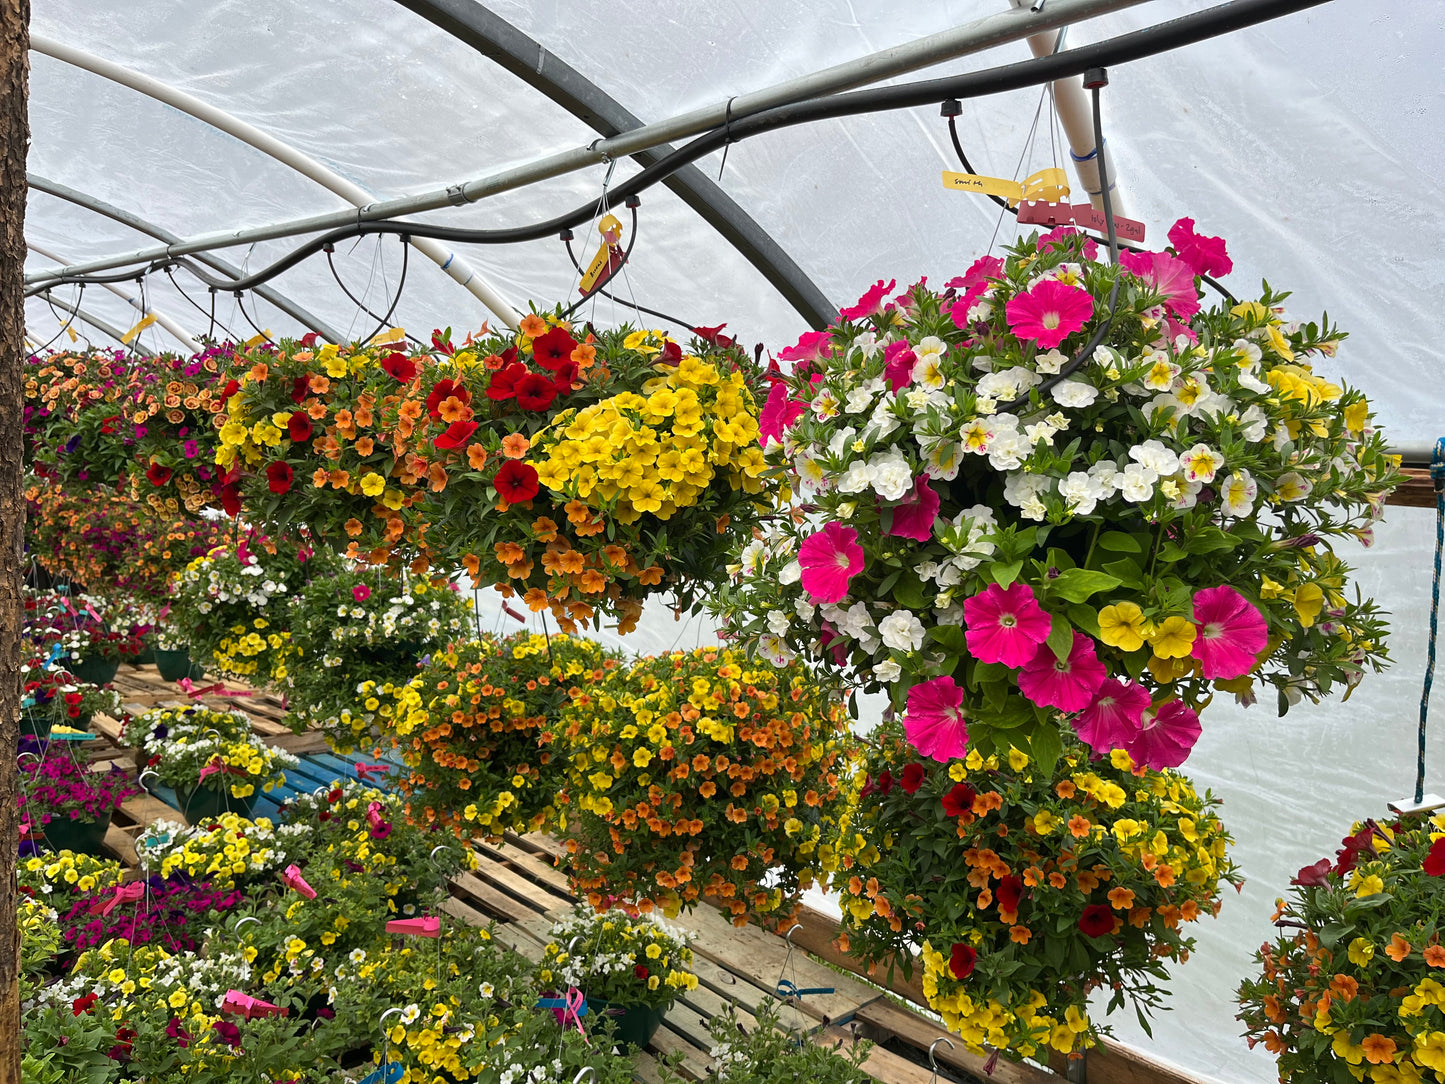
pixel 204 804
pixel 174 665
pixel 633 1026
pixel 95 670
pixel 35 724
pixel 82 837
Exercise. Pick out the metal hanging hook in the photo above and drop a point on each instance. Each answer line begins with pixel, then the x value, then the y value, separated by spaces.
pixel 933 1058
pixel 588 1072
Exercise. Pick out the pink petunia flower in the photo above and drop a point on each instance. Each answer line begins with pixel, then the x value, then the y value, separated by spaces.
pixel 1049 312
pixel 1067 684
pixel 811 346
pixel 1005 624
pixel 914 515
pixel 1165 736
pixel 934 721
pixel 830 558
pixel 777 414
pixel 1204 255
pixel 871 303
pixel 1232 633
pixel 831 641
pixel 361 592
pixel 1046 241
pixel 1112 718
pixel 1169 275
pixel 898 364
pixel 983 270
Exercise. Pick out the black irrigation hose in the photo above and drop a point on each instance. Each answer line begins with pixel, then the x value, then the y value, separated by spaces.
pixel 356 300
pixel 1174 34
pixel 627 302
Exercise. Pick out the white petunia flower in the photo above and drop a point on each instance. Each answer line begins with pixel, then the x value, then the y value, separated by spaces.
pixel 901 631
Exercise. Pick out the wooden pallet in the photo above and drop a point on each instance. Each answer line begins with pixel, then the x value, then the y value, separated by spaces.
pixel 520 889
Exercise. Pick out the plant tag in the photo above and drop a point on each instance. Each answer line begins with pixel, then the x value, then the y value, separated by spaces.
pixel 387 1074
pixel 609 255
pixel 146 322
pixel 1047 184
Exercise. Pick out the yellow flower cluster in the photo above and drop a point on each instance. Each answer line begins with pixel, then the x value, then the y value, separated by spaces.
pixel 658 451
pixel 233 848
pixel 244 651
pixel 985 1022
pixel 68 871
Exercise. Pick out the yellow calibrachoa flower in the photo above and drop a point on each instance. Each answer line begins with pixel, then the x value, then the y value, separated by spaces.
pixel 1122 625
pixel 1174 638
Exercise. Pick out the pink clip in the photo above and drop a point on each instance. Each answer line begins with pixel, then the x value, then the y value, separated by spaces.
pixel 1043 213
pixel 291 878
pixel 428 926
pixel 575 1003
pixel 513 614
pixel 213 768
pixel 364 772
pixel 252 1008
pixel 120 894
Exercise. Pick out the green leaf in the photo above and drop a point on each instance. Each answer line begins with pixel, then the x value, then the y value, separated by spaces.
pixel 1077 584
pixel 1129 574
pixel 1085 618
pixel 909 591
pixel 1061 639
pixel 948 637
pixel 1005 574
pixel 1046 747
pixel 1119 542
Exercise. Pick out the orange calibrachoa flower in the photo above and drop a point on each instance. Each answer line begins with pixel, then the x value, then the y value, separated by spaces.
pixel 470 727
pixel 665 773
pixel 1024 886
pixel 1343 984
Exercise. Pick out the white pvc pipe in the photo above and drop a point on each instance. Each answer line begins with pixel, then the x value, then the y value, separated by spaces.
pixel 1076 116
pixel 176 331
pixel 981 34
pixel 454 265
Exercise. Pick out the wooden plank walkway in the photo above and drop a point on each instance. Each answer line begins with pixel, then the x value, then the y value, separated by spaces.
pixel 520 888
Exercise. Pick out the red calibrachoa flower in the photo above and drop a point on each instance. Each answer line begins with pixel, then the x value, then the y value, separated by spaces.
pixel 400 366
pixel 516 481
pixel 456 435
pixel 298 428
pixel 1097 920
pixel 278 475
pixel 961 961
pixel 554 349
pixel 158 475
pixel 503 384
pixel 535 392
pixel 444 390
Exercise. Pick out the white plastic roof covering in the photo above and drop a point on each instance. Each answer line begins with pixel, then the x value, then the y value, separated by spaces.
pixel 1306 143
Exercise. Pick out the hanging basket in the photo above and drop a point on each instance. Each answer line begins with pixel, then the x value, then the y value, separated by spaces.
pixel 35 724
pixel 175 665
pixel 204 804
pixel 95 670
pixel 633 1026
pixel 82 837
pixel 146 657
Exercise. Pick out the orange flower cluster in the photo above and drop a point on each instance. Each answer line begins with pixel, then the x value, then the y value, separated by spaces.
pixel 692 776
pixel 111 543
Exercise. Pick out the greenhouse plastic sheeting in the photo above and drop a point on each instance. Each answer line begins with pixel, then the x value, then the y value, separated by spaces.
pixel 1307 143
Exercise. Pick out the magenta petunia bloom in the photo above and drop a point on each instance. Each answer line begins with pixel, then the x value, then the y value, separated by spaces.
pixel 361 592
pixel 934 721
pixel 1049 312
pixel 1169 275
pixel 1067 684
pixel 871 303
pixel 914 515
pixel 1112 718
pixel 830 558
pixel 1165 736
pixel 811 346
pixel 1005 624
pixel 982 271
pixel 898 365
pixel 1232 633
pixel 777 414
pixel 1204 255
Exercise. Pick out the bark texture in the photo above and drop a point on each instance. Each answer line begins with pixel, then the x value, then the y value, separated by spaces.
pixel 14 142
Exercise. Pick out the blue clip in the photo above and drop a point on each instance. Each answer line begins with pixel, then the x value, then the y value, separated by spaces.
pixel 788 989
pixel 561 1003
pixel 387 1074
pixel 55 653
pixel 56 735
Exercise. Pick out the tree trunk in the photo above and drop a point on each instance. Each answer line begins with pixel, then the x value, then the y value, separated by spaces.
pixel 14 141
